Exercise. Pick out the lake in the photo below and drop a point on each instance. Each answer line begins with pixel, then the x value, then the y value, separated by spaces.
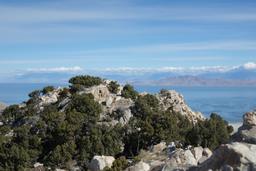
pixel 230 102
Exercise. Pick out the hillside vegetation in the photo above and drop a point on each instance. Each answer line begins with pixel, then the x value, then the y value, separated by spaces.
pixel 67 127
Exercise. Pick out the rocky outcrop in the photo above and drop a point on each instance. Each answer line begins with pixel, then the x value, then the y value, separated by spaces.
pixel 172 100
pixel 49 98
pixel 183 159
pixel 180 159
pixel 166 158
pixel 2 107
pixel 112 103
pixel 98 163
pixel 237 155
pixel 247 132
pixel 116 104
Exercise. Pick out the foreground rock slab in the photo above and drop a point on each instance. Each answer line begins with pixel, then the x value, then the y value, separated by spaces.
pixel 238 156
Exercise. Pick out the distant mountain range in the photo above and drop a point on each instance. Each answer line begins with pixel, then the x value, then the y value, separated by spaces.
pixel 244 75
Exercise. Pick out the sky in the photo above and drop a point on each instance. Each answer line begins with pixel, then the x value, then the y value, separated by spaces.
pixel 74 35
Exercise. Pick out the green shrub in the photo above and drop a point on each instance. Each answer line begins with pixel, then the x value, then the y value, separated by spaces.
pixel 11 114
pixel 47 89
pixel 64 93
pixel 62 154
pixel 209 133
pixel 86 104
pixel 34 94
pixel 150 125
pixel 129 92
pixel 13 157
pixel 113 87
pixel 86 80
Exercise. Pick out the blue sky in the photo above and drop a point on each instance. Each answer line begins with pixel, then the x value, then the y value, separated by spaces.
pixel 97 34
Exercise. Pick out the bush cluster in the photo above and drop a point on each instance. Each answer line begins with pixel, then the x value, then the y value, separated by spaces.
pixel 85 80
pixel 113 87
pixel 56 138
pixel 129 92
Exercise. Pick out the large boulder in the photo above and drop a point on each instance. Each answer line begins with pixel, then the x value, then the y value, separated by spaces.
pixel 238 156
pixel 141 166
pixel 207 153
pixel 197 152
pixel 180 160
pixel 247 135
pixel 98 163
pixel 172 100
pixel 247 132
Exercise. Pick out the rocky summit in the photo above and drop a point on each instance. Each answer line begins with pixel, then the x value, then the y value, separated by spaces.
pixel 100 125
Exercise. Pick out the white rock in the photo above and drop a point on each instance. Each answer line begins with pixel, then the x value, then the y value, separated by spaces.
pixel 197 152
pixel 207 152
pixel 172 100
pixel 159 147
pixel 100 162
pixel 141 166
pixel 60 169
pixel 181 158
pixel 9 134
pixel 38 164
pixel 190 159
pixel 49 98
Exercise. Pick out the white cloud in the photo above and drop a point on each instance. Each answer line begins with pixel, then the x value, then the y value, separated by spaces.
pixel 249 66
pixel 181 70
pixel 178 70
pixel 57 69
pixel 144 70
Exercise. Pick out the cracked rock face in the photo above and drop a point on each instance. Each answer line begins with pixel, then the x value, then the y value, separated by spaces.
pixel 172 100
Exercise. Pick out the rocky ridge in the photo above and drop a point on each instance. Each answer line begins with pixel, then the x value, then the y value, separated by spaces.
pixel 161 156
pixel 114 102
